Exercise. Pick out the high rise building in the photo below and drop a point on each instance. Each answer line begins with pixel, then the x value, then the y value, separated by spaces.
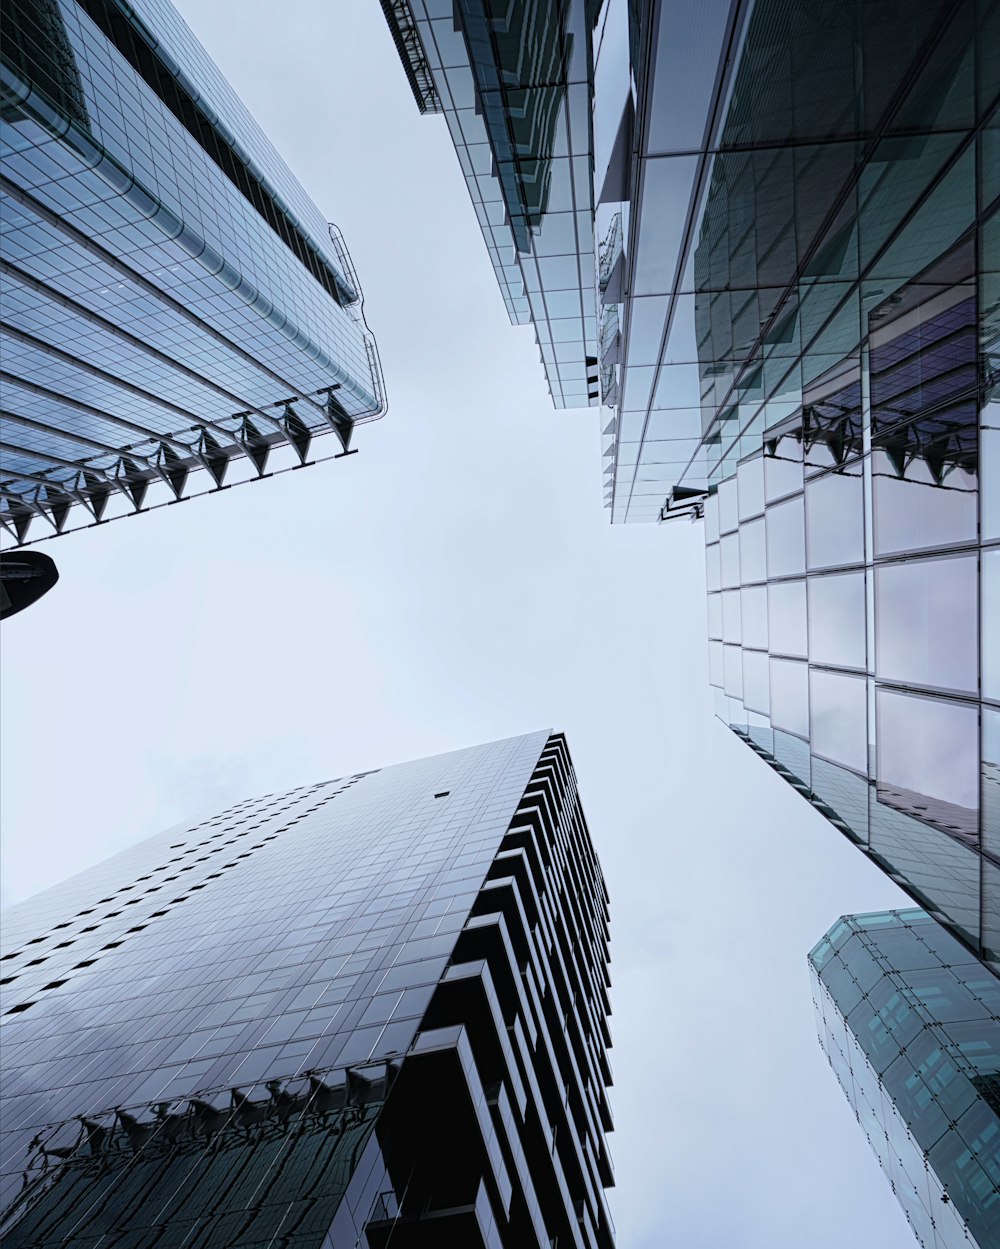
pixel 370 1011
pixel 172 300
pixel 794 209
pixel 910 1022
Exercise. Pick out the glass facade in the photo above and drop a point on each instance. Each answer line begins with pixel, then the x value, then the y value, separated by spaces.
pixel 172 300
pixel 248 1032
pixel 512 81
pixel 910 1023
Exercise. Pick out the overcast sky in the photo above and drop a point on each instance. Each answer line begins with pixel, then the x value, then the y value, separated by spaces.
pixel 456 582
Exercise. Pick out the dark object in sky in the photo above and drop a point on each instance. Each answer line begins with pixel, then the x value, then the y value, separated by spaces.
pixel 24 577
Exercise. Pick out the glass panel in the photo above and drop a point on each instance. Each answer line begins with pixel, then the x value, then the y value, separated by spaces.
pixel 753 611
pixel 925 622
pixel 713 567
pixel 733 670
pixel 750 482
pixel 731 616
pixel 991 623
pixel 991 781
pixel 838 711
pixel 837 619
pixel 783 467
pixel 786 542
pixel 753 558
pixel 728 516
pixel 715 674
pixel 712 518
pixel 790 696
pixel 756 694
pixel 715 615
pixel 914 512
pixel 786 618
pixel 928 752
pixel 835 519
pixel 730 545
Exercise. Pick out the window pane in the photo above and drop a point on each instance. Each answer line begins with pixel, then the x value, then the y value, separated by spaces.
pixel 991 624
pixel 750 482
pixel 712 518
pixel 786 540
pixel 715 675
pixel 928 752
pixel 790 696
pixel 835 519
pixel 713 567
pixel 915 512
pixel 783 469
pixel 728 518
pixel 786 618
pixel 838 718
pixel 731 616
pixel 755 681
pixel 991 781
pixel 753 604
pixel 837 619
pixel 715 615
pixel 730 545
pixel 753 560
pixel 733 671
pixel 926 622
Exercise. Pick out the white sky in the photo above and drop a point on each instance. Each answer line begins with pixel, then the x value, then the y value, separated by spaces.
pixel 456 582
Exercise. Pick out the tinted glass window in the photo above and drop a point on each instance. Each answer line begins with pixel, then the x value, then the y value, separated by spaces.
pixel 926 622
pixel 837 619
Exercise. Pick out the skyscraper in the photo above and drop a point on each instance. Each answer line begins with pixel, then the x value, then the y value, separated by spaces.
pixel 368 1011
pixel 794 210
pixel 172 300
pixel 910 1022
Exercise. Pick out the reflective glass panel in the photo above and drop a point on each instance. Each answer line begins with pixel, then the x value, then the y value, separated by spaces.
pixel 733 671
pixel 838 721
pixel 837 619
pixel 790 696
pixel 928 752
pixel 714 615
pixel 730 545
pixel 991 623
pixel 728 516
pixel 731 616
pixel 753 558
pixel 786 539
pixel 750 484
pixel 835 519
pixel 783 468
pixel 713 567
pixel 756 691
pixel 753 601
pixel 786 618
pixel 926 622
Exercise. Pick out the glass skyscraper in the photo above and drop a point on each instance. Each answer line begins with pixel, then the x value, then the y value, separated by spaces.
pixel 910 1022
pixel 370 1011
pixel 796 268
pixel 172 300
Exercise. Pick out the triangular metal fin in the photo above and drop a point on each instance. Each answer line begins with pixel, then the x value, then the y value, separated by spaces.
pixel 298 432
pixel 254 445
pixel 216 459
pixel 97 495
pixel 174 467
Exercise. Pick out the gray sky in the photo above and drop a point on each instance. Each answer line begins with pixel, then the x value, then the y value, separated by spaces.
pixel 455 582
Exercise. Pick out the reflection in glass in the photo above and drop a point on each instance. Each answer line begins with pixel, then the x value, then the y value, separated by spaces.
pixel 835 519
pixel 753 612
pixel 728 516
pixel 927 750
pixel 783 466
pixel 838 718
pixel 786 616
pixel 991 782
pixel 926 622
pixel 786 543
pixel 837 619
pixel 756 686
pixel 750 485
pixel 790 696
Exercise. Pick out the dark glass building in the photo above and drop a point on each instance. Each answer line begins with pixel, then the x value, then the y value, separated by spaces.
pixel 371 1011
pixel 172 301
pixel 794 209
pixel 910 1022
